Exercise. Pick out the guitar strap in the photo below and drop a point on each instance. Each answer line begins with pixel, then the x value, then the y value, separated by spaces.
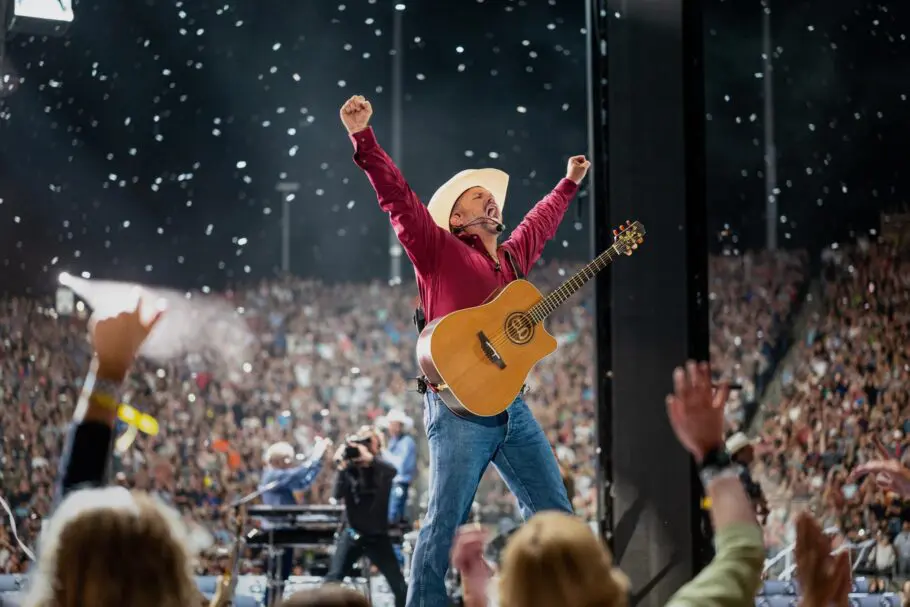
pixel 420 319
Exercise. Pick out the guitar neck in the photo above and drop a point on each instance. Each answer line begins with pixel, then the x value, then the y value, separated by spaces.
pixel 546 306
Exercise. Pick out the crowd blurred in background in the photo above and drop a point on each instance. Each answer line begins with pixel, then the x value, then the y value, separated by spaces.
pixel 332 357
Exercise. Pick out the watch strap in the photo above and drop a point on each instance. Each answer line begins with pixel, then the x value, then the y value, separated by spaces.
pixel 717 457
pixel 710 474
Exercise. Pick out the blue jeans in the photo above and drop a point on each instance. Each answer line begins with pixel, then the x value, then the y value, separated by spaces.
pixel 460 451
pixel 398 504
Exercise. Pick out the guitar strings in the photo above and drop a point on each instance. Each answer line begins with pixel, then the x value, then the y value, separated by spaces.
pixel 620 247
pixel 502 337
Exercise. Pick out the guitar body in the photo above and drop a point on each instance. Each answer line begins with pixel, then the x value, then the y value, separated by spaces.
pixel 479 358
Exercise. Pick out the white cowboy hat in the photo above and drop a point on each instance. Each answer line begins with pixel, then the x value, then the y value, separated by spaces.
pixel 738 442
pixel 396 415
pixel 443 200
pixel 281 450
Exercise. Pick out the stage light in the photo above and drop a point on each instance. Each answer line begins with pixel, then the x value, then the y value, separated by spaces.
pixel 40 17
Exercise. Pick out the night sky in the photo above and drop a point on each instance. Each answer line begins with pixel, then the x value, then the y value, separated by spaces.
pixel 146 143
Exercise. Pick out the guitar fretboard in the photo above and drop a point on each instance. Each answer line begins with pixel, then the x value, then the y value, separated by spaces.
pixel 549 303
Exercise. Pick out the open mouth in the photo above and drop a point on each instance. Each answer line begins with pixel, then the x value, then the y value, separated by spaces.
pixel 492 210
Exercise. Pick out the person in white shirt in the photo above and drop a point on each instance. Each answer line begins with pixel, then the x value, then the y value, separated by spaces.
pixel 883 556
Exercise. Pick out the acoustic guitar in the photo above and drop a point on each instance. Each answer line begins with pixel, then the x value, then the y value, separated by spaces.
pixel 478 359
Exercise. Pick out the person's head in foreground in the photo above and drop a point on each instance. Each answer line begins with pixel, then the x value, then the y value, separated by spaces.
pixel 113 548
pixel 556 560
pixel 327 596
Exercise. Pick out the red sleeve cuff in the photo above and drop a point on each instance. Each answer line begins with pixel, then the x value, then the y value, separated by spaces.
pixel 567 187
pixel 364 139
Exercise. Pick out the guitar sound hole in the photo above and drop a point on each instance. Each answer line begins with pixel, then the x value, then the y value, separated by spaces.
pixel 519 328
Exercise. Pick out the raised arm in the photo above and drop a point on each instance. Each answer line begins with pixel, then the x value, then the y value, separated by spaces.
pixel 298 478
pixel 696 413
pixel 416 230
pixel 540 224
pixel 86 458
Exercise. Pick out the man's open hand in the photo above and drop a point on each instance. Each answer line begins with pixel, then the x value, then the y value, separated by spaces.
pixel 577 168
pixel 696 410
pixel 824 579
pixel 356 113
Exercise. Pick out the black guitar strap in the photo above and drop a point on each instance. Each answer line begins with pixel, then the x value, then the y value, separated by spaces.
pixel 515 267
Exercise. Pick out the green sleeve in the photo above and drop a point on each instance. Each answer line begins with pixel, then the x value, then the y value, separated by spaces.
pixel 733 577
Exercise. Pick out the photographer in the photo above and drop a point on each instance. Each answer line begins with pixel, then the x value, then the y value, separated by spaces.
pixel 364 483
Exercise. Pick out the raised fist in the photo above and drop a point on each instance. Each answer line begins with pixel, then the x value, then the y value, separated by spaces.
pixel 355 114
pixel 577 168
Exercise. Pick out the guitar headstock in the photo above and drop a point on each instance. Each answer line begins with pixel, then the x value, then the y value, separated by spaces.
pixel 628 236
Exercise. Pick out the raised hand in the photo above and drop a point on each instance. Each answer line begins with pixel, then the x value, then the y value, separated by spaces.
pixel 117 339
pixel 356 113
pixel 890 475
pixel 696 411
pixel 577 168
pixel 823 579
pixel 467 558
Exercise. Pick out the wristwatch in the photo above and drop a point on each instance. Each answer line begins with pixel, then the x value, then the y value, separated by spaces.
pixel 717 463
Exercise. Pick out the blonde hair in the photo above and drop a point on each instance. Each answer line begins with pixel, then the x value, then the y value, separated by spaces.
pixel 555 559
pixel 113 548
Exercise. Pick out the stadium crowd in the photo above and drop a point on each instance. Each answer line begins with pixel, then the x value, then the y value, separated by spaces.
pixel 333 357
pixel 845 403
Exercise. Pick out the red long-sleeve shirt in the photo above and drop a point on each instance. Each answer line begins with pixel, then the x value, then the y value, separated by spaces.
pixel 455 272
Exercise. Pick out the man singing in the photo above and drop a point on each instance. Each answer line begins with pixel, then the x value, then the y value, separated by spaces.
pixel 364 483
pixel 454 246
pixel 280 480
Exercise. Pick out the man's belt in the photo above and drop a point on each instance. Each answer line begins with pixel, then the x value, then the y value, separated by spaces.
pixel 423 385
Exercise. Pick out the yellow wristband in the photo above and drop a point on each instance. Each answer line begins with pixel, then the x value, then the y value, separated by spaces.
pixel 105 400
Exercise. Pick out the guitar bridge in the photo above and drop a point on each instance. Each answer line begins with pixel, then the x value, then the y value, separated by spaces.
pixel 489 351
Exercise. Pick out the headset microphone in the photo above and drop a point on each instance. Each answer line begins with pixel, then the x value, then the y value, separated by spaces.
pixel 500 227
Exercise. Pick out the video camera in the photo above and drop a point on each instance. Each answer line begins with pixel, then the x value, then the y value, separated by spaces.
pixel 351 452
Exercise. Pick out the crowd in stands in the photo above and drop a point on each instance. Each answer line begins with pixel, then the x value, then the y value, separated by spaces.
pixel 333 357
pixel 845 403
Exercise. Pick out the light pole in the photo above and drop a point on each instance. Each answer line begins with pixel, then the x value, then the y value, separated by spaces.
pixel 288 191
pixel 772 210
pixel 395 251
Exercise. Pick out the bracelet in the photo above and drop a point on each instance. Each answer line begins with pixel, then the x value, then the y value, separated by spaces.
pixel 102 391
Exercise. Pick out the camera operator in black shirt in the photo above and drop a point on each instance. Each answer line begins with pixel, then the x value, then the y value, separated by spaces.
pixel 364 483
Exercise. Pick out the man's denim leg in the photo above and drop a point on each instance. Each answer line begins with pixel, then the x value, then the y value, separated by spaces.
pixel 460 451
pixel 527 464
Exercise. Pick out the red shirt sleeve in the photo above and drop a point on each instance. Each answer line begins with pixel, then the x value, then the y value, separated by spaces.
pixel 541 223
pixel 421 238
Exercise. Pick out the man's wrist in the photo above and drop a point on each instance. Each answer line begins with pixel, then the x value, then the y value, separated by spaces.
pixel 100 398
pixel 109 370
